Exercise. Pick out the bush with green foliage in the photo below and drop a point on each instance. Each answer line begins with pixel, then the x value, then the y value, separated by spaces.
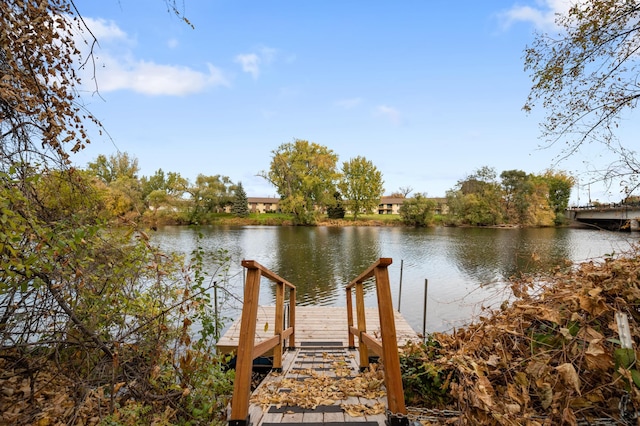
pixel 418 210
pixel 105 304
pixel 425 377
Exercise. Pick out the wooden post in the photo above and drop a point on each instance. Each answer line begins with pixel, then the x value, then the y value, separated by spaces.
pixel 352 344
pixel 278 326
pixel 292 317
pixel 391 358
pixel 244 360
pixel 362 326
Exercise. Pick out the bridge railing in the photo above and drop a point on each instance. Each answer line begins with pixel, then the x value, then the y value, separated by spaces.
pixel 248 350
pixel 387 347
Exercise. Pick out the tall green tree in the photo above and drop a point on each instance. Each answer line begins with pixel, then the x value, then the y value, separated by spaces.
pixel 209 194
pixel 361 185
pixel 304 175
pixel 586 79
pixel 116 166
pixel 163 188
pixel 477 199
pixel 123 192
pixel 240 207
pixel 516 192
pixel 559 186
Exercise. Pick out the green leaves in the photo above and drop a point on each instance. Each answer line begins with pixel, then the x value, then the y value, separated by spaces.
pixel 417 210
pixel 304 175
pixel 361 186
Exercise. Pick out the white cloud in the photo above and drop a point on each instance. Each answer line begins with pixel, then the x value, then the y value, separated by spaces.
pixel 542 15
pixel 105 30
pixel 349 103
pixel 388 112
pixel 250 63
pixel 117 68
pixel 150 78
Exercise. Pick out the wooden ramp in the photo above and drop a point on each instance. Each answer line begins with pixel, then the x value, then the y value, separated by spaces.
pixel 319 385
pixel 320 382
pixel 315 324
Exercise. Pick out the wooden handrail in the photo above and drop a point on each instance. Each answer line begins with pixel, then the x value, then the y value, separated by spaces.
pixel 383 262
pixel 387 348
pixel 248 350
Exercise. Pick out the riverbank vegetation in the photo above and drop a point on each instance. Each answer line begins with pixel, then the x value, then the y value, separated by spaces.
pixel 515 198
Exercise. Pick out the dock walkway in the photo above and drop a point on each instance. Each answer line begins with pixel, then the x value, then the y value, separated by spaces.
pixel 320 382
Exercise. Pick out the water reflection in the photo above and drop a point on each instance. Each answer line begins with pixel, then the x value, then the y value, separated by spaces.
pixel 465 267
pixel 493 255
pixel 321 260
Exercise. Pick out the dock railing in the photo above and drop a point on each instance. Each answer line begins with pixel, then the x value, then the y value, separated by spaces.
pixel 248 350
pixel 387 348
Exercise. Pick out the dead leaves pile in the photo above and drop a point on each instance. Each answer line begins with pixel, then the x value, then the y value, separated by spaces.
pixel 324 389
pixel 45 398
pixel 553 356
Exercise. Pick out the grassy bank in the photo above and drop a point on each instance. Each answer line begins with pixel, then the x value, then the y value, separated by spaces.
pixel 268 219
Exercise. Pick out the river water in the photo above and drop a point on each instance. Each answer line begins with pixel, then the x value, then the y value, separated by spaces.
pixel 466 269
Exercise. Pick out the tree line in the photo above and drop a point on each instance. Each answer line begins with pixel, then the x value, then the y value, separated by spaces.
pixel 311 188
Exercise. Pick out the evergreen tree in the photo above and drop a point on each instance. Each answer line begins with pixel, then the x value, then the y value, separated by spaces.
pixel 336 211
pixel 240 206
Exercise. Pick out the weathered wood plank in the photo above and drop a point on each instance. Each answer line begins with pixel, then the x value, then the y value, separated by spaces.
pixel 315 323
pixel 313 417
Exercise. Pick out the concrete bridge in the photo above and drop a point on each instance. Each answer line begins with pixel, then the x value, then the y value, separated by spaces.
pixel 615 217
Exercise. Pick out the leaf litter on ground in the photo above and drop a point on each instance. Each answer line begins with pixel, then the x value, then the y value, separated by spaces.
pixel 552 355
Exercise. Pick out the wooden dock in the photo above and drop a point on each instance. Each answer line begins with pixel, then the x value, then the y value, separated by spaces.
pixel 320 382
pixel 315 324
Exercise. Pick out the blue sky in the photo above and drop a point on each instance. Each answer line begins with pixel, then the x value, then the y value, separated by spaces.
pixel 429 91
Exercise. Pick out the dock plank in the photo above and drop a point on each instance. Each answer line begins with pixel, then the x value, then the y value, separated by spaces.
pixel 315 323
pixel 316 359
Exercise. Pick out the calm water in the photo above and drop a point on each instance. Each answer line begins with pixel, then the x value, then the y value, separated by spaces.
pixel 466 268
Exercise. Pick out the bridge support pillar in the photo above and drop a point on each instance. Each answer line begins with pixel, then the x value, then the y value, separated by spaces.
pixel 634 225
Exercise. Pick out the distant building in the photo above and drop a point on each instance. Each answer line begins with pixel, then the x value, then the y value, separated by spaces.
pixel 263 204
pixel 387 205
pixel 390 205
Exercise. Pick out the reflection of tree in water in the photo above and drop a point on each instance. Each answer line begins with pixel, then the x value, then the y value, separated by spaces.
pixel 489 255
pixel 320 261
pixel 538 250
